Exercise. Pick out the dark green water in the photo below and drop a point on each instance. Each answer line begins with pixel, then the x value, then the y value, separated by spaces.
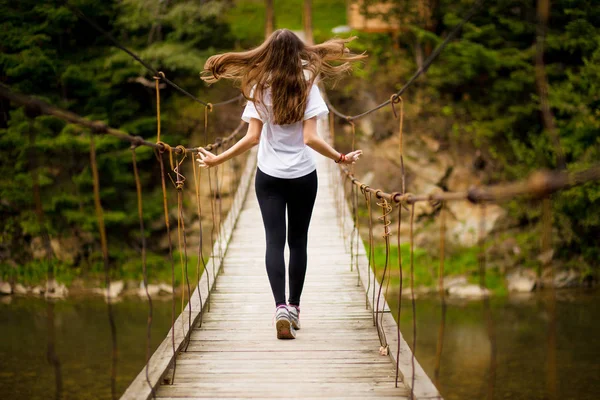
pixel 504 351
pixel 516 367
pixel 82 344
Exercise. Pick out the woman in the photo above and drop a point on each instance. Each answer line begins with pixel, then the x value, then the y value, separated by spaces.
pixel 278 80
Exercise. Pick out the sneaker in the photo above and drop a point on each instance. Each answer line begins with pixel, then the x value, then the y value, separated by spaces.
pixel 283 323
pixel 294 316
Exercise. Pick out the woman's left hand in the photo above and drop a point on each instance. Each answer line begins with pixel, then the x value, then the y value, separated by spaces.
pixel 206 159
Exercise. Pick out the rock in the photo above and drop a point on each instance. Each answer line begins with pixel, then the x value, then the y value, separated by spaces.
pixel 5 288
pixel 419 291
pixel 464 223
pixel 426 207
pixel 131 284
pixel 432 144
pixel 115 289
pixel 66 249
pixel 520 282
pixel 368 177
pixel 425 168
pixel 38 251
pixel 468 291
pixel 20 289
pixel 566 279
pixel 55 290
pixel 507 247
pixel 421 164
pixel 164 288
pixel 461 178
pixel 453 281
pixel 546 257
pixel 153 290
pixel 366 126
pixel 37 290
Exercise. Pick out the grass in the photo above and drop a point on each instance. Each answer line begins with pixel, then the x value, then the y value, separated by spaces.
pixel 129 267
pixel 461 261
pixel 36 272
pixel 247 18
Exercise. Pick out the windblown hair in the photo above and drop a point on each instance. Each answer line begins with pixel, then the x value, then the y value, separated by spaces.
pixel 278 64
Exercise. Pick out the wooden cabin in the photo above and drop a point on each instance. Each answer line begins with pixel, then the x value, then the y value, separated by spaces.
pixel 373 21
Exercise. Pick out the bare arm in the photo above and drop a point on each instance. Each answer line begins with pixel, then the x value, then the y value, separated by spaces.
pixel 251 139
pixel 315 142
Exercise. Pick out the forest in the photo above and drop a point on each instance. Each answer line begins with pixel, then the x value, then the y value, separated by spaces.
pixel 480 97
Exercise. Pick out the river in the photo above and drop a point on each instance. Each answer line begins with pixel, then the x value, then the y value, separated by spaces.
pixel 504 350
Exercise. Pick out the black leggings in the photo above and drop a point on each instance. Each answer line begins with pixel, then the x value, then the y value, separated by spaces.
pixel 274 194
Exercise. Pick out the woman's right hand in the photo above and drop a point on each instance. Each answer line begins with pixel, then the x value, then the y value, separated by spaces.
pixel 352 157
pixel 206 159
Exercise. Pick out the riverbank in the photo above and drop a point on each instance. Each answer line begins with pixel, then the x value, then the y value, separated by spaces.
pixel 462 273
pixel 503 275
pixel 117 290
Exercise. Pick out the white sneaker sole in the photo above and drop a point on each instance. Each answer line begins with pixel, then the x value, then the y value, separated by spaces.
pixel 285 330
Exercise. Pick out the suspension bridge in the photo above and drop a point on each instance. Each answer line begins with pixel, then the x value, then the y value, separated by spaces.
pixel 231 351
pixel 222 344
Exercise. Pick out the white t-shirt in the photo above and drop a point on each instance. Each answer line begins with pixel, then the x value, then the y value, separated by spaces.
pixel 281 151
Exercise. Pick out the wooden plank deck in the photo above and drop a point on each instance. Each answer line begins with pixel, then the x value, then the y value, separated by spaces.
pixel 235 354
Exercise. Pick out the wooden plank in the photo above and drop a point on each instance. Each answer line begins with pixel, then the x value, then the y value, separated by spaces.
pixel 319 356
pixel 372 396
pixel 261 390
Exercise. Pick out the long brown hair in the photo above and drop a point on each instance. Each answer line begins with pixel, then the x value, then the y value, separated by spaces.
pixel 278 64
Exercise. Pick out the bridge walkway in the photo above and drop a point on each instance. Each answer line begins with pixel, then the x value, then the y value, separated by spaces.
pixel 235 353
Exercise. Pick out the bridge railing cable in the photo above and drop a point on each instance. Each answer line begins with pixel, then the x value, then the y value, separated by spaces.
pixel 539 184
pixel 40 107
